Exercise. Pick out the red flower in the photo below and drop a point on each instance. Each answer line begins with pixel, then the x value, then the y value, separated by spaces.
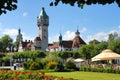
pixel 15 79
pixel 43 73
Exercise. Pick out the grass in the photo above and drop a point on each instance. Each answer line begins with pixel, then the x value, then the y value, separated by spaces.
pixel 86 75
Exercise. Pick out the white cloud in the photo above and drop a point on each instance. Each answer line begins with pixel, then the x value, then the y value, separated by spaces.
pixel 26 37
pixel 54 38
pixel 101 36
pixel 84 29
pixel 24 14
pixel 13 34
pixel 68 35
pixel 113 31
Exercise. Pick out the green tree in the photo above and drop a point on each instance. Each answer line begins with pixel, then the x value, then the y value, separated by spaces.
pixel 70 66
pixel 81 3
pixel 99 47
pixel 6 60
pixel 30 54
pixel 16 45
pixel 7 5
pixel 6 41
pixel 76 54
pixel 94 41
pixel 86 51
pixel 1 46
pixel 113 36
pixel 115 46
pixel 1 58
pixel 65 54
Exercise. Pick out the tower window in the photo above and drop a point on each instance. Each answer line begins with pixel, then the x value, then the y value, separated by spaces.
pixel 44 30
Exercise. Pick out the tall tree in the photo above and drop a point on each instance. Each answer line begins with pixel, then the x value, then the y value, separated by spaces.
pixel 7 5
pixel 81 3
pixel 7 41
pixel 86 50
pixel 115 46
pixel 113 36
pixel 98 48
pixel 94 41
pixel 1 44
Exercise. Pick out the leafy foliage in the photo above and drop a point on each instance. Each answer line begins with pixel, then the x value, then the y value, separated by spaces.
pixel 104 70
pixel 113 36
pixel 27 64
pixel 7 5
pixel 81 3
pixel 94 42
pixel 115 46
pixel 99 47
pixel 51 58
pixel 65 54
pixel 51 65
pixel 76 54
pixel 30 54
pixel 34 66
pixel 86 50
pixel 70 66
pixel 59 67
pixel 5 41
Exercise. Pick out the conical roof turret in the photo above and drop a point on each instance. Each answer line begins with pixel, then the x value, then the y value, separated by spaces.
pixel 77 33
pixel 43 13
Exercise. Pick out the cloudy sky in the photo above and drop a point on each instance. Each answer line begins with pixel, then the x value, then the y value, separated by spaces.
pixel 93 22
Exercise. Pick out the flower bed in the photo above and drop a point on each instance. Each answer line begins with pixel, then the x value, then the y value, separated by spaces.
pixel 27 75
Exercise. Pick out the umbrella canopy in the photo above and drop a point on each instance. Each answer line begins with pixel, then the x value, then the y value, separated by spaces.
pixel 78 60
pixel 106 55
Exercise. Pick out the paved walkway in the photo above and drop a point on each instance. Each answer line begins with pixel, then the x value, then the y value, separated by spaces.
pixel 11 67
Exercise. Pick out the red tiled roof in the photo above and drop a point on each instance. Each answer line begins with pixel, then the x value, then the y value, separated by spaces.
pixel 77 41
pixel 54 45
pixel 65 44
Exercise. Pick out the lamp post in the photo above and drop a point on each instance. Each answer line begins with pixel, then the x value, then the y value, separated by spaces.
pixel 11 49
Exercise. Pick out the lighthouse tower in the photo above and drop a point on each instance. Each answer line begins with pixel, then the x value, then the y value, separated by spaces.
pixel 43 23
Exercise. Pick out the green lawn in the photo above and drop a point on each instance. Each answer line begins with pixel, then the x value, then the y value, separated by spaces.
pixel 86 75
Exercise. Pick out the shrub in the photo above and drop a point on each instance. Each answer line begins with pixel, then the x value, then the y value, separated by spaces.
pixel 34 66
pixel 51 65
pixel 59 67
pixel 39 61
pixel 70 66
pixel 105 70
pixel 27 64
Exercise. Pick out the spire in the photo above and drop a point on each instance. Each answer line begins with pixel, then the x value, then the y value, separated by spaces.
pixel 19 31
pixel 60 40
pixel 43 13
pixel 77 33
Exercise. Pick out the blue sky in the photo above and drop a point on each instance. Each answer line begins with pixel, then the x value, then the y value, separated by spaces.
pixel 93 22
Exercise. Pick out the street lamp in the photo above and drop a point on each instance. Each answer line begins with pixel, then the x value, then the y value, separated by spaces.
pixel 11 49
